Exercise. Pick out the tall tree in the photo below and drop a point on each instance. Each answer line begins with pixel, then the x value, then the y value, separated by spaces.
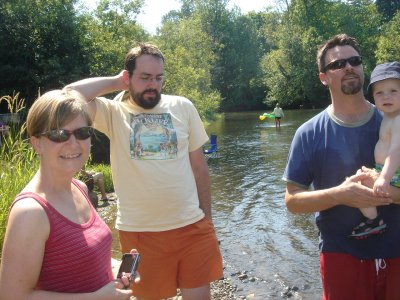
pixel 40 46
pixel 237 45
pixel 389 41
pixel 110 30
pixel 388 8
pixel 291 70
pixel 188 64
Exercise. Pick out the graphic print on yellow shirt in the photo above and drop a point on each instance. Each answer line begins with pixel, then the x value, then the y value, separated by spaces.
pixel 153 137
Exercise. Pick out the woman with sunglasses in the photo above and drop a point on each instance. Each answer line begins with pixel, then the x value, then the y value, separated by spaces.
pixel 56 246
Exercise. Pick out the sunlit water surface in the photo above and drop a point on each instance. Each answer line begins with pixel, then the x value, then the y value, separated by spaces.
pixel 257 233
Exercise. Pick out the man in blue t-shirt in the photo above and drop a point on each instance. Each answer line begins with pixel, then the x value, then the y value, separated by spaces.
pixel 322 178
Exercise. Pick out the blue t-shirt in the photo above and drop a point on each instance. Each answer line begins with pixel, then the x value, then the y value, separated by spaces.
pixel 322 154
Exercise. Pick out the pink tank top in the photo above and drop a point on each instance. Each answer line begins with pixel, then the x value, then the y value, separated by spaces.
pixel 77 257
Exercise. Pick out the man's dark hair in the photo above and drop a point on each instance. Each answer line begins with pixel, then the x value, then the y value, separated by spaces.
pixel 141 49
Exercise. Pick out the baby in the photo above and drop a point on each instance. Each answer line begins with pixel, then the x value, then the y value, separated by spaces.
pixel 385 89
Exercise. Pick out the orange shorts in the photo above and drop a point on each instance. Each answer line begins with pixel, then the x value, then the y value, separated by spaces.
pixel 187 257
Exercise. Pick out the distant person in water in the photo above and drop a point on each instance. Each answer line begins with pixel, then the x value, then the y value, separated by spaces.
pixel 278 113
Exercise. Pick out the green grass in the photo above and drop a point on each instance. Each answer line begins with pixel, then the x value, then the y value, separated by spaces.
pixel 18 162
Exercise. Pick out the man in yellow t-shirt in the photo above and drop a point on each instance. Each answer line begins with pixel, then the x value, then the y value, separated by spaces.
pixel 160 176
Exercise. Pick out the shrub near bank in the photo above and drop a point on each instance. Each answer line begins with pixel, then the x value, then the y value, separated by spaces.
pixel 18 162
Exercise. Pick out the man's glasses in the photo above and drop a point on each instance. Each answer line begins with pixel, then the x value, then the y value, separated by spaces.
pixel 147 78
pixel 354 61
pixel 63 135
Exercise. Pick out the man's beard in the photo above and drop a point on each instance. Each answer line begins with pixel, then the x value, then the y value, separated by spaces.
pixel 352 89
pixel 146 103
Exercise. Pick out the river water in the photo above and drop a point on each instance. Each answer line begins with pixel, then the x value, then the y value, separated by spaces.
pixel 257 233
pixel 277 250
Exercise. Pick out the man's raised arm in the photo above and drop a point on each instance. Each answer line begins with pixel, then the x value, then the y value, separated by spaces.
pixel 91 88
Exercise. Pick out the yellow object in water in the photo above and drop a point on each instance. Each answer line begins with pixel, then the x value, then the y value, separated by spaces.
pixel 266 115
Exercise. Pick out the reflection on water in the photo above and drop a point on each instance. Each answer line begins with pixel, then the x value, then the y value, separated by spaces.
pixel 257 233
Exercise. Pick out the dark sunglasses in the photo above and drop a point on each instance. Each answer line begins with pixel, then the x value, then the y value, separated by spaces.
pixel 63 135
pixel 354 61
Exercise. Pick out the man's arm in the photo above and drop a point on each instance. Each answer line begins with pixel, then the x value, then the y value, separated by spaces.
pixel 350 193
pixel 91 88
pixel 201 175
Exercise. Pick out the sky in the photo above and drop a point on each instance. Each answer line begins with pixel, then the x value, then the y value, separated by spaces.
pixel 153 10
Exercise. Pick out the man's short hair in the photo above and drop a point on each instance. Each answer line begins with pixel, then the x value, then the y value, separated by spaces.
pixel 141 49
pixel 337 40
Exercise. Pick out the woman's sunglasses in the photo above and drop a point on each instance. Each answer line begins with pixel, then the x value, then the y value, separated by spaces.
pixel 63 135
pixel 354 61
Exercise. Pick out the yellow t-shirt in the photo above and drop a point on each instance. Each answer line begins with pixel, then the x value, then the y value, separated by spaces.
pixel 149 152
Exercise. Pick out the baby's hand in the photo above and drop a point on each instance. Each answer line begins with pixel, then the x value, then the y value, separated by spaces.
pixel 370 176
pixel 381 187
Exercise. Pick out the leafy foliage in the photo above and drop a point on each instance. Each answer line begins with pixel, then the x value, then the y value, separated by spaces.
pixel 110 31
pixel 188 64
pixel 388 8
pixel 40 46
pixel 219 58
pixel 290 68
pixel 389 41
